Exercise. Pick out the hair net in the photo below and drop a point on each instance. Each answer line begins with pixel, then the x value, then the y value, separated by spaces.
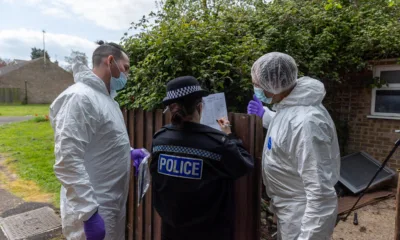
pixel 275 72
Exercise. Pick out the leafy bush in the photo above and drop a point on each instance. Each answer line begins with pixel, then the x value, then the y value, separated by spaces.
pixel 217 41
pixel 38 118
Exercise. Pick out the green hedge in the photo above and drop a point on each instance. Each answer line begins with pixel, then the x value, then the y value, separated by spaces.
pixel 217 41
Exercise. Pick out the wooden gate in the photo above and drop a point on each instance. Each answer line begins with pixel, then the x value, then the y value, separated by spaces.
pixel 144 223
pixel 10 95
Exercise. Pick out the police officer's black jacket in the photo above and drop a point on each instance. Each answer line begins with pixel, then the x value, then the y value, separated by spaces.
pixel 193 170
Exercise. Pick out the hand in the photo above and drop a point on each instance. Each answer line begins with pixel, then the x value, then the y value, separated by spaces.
pixel 225 125
pixel 255 107
pixel 95 228
pixel 137 156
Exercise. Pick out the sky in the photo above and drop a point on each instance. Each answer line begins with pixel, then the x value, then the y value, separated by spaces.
pixel 69 25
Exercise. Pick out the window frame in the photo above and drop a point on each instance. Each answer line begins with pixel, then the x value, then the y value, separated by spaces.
pixel 391 86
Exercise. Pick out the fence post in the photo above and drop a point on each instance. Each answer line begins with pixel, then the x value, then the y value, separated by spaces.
pixel 247 190
pixel 397 220
pixel 129 118
pixel 140 143
pixel 147 201
pixel 26 93
pixel 158 123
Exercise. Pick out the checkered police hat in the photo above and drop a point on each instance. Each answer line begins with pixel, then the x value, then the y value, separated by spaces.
pixel 183 87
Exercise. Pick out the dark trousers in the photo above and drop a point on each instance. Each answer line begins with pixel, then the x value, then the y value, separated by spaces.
pixel 193 233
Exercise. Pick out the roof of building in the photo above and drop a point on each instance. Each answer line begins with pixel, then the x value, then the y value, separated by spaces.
pixel 387 61
pixel 15 64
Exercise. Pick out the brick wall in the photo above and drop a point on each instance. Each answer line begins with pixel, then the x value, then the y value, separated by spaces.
pixel 44 84
pixel 352 103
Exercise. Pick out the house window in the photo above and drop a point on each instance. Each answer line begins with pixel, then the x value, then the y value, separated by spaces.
pixel 386 100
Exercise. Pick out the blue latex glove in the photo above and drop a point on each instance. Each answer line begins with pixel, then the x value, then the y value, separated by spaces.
pixel 255 107
pixel 95 228
pixel 137 156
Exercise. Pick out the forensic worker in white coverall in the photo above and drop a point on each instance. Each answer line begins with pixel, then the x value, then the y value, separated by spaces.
pixel 93 154
pixel 301 158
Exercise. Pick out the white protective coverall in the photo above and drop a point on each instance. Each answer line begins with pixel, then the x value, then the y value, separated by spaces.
pixel 92 156
pixel 301 163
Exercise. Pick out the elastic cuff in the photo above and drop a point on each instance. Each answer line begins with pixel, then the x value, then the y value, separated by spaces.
pixel 86 216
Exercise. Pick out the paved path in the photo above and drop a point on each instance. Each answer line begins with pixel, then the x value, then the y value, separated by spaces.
pixel 4 120
pixel 12 207
pixel 8 201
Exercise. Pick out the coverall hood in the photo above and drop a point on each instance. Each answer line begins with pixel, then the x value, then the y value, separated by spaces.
pixel 307 92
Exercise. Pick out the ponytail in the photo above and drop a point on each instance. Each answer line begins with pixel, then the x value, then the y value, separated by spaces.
pixel 178 114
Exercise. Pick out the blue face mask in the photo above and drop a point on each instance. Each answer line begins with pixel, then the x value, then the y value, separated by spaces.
pixel 120 82
pixel 261 96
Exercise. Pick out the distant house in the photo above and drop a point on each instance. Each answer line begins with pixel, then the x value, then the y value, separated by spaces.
pixel 372 114
pixel 33 82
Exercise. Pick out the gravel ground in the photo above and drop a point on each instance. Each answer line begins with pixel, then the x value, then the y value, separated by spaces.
pixel 375 222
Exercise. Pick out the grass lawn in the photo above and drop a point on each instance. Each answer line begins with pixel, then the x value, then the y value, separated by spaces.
pixel 28 148
pixel 24 110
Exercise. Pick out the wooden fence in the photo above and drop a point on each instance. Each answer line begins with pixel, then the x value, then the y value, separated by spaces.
pixel 144 223
pixel 10 95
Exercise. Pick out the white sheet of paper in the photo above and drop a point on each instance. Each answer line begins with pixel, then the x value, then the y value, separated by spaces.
pixel 214 108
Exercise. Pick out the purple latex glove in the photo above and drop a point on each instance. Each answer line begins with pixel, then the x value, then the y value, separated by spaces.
pixel 137 156
pixel 255 107
pixel 95 228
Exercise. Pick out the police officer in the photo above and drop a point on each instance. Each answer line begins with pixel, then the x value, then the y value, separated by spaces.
pixel 194 167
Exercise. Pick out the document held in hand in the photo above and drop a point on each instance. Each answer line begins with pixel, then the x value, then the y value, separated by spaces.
pixel 214 107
